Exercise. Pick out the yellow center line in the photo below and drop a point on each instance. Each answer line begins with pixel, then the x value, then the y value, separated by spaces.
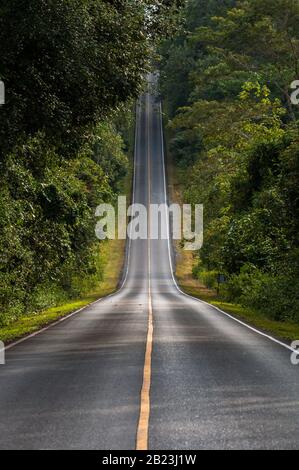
pixel 143 425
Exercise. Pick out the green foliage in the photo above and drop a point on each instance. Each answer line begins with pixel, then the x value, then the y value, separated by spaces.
pixel 47 221
pixel 66 65
pixel 235 134
pixel 275 296
pixel 208 278
pixel 72 70
pixel 108 153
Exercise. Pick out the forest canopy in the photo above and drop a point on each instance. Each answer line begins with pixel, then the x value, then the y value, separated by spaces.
pixel 226 80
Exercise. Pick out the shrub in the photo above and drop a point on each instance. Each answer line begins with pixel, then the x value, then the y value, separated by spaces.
pixel 209 279
pixel 276 297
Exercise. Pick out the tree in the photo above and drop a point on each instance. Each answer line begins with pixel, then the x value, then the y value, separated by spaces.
pixel 66 65
pixel 243 56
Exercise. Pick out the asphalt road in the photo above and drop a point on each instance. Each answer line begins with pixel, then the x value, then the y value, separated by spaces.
pixel 211 382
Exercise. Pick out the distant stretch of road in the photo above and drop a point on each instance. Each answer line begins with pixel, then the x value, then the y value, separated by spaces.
pixel 149 367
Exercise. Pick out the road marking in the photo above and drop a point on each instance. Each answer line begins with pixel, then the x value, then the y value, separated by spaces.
pixel 260 333
pixel 143 425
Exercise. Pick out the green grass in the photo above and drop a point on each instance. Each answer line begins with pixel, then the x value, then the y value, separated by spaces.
pixel 28 324
pixel 112 255
pixel 284 330
pixel 185 261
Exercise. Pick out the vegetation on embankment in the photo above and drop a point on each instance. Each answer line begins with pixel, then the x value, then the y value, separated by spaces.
pixel 112 254
pixel 187 261
pixel 226 82
pixel 110 261
pixel 71 71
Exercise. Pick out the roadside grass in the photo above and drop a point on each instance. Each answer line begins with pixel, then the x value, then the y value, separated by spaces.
pixel 185 261
pixel 284 330
pixel 113 258
pixel 113 253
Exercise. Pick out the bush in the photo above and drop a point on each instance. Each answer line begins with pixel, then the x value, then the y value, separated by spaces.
pixel 46 296
pixel 239 284
pixel 209 279
pixel 276 297
pixel 47 225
